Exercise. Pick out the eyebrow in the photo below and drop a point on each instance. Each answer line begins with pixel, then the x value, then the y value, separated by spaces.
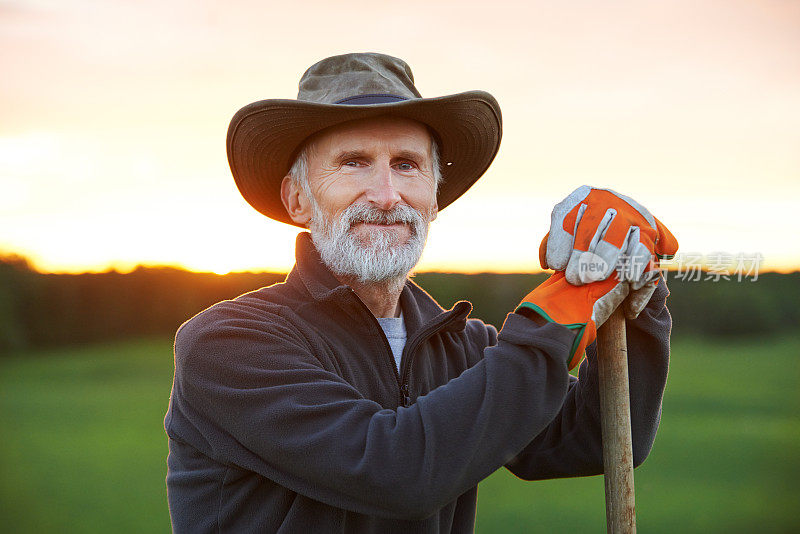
pixel 349 154
pixel 412 155
pixel 403 154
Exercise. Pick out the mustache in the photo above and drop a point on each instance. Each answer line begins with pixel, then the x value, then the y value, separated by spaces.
pixel 363 213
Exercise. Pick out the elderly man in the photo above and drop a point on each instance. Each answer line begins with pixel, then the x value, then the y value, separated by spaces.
pixel 346 399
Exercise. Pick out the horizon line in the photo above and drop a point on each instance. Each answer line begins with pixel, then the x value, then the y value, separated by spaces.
pixel 30 265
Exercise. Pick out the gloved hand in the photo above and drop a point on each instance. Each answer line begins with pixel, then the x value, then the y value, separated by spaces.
pixel 594 232
pixel 581 308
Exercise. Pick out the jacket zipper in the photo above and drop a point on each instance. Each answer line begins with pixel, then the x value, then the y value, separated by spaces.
pixel 411 350
pixel 404 399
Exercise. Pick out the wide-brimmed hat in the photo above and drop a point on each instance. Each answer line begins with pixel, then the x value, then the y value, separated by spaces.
pixel 264 137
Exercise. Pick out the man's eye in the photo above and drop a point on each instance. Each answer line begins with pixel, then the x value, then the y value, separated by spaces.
pixel 351 163
pixel 405 166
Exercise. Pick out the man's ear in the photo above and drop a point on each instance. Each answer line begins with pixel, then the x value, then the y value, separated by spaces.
pixel 434 211
pixel 295 201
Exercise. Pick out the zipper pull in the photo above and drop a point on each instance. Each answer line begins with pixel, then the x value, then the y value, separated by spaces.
pixel 406 396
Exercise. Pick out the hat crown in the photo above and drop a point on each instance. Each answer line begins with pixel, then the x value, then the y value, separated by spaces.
pixel 336 79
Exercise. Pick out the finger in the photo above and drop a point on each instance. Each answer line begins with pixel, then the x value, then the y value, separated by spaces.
pixel 666 245
pixel 561 242
pixel 584 267
pixel 644 212
pixel 651 272
pixel 628 245
pixel 638 256
pixel 592 218
pixel 638 299
pixel 605 305
pixel 543 252
pixel 636 261
pixel 611 241
pixel 590 265
pixel 617 231
pixel 563 220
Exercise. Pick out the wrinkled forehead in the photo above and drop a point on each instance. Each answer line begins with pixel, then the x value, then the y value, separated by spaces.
pixel 397 133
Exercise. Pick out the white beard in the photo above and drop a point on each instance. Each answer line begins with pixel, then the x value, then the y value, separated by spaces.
pixel 383 258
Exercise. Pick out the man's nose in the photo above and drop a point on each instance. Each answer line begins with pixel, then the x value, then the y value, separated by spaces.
pixel 382 192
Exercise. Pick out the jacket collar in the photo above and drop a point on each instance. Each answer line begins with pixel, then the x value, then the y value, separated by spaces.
pixel 310 273
pixel 419 308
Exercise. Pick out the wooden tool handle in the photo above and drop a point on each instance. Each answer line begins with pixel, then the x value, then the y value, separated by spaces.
pixel 615 415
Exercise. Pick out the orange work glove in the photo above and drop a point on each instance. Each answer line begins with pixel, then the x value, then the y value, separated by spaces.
pixel 579 308
pixel 594 232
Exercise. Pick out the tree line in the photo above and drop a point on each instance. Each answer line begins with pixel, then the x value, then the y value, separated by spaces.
pixel 39 309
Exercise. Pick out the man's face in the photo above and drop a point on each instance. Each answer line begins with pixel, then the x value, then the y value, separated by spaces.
pixel 379 162
pixel 373 193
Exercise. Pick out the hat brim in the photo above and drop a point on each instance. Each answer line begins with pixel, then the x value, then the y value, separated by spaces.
pixel 264 136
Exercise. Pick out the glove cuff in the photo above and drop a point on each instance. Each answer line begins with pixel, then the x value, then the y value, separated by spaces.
pixel 577 351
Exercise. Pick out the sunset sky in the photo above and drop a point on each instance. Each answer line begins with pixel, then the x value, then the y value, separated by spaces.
pixel 113 117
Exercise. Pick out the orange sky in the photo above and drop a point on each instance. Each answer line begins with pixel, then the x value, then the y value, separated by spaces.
pixel 114 114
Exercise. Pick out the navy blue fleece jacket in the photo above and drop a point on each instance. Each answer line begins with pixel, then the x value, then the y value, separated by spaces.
pixel 288 414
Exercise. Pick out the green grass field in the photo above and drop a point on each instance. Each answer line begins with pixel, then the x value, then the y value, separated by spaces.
pixel 83 448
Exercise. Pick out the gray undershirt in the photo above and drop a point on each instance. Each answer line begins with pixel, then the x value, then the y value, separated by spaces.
pixel 395 330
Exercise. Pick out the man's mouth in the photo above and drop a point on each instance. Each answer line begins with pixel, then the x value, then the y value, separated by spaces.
pixel 378 225
pixel 400 230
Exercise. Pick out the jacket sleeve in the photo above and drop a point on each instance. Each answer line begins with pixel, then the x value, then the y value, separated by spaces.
pixel 258 398
pixel 571 444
